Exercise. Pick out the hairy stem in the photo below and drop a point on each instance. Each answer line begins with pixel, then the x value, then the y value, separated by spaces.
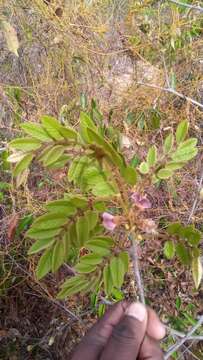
pixel 136 268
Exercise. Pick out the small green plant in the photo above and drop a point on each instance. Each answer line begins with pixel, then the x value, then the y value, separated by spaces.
pixel 108 196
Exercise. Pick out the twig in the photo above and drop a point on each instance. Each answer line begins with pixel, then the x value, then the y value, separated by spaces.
pixel 193 7
pixel 172 91
pixel 183 340
pixel 196 198
pixel 136 268
pixel 182 335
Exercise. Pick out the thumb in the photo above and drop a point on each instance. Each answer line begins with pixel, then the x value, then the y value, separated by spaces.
pixel 128 335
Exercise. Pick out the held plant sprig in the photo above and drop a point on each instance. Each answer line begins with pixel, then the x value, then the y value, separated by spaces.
pixel 102 178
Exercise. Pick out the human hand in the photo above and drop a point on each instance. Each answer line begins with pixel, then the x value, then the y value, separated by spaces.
pixel 126 332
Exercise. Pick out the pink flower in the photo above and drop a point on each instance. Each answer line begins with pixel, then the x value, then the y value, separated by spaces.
pixel 141 201
pixel 108 221
pixel 148 226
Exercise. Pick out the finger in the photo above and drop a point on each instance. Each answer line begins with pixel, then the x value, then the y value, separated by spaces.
pixel 155 328
pixel 150 350
pixel 97 337
pixel 127 335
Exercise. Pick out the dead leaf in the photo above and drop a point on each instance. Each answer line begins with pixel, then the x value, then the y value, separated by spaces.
pixel 59 12
pixel 13 223
pixel 11 37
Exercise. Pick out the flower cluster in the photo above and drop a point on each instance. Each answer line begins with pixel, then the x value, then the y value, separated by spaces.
pixel 142 203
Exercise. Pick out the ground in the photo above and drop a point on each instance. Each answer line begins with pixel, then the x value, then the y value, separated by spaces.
pixel 71 52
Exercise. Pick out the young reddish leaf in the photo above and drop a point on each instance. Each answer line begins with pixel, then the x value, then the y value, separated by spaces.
pixel 13 223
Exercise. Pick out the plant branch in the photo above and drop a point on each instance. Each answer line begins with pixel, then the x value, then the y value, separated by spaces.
pixel 172 91
pixel 184 339
pixel 136 268
pixel 193 7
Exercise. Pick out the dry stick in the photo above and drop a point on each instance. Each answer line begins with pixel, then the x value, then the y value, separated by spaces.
pixel 196 198
pixel 172 91
pixel 183 340
pixel 182 335
pixel 136 268
pixel 193 7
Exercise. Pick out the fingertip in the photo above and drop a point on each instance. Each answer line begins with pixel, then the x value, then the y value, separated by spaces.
pixel 155 328
pixel 137 310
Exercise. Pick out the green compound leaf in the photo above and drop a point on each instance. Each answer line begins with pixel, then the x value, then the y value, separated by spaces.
pixel 71 287
pixel 49 221
pixel 106 147
pixel 164 173
pixel 168 143
pixel 23 164
pixel 42 234
pixel 181 131
pixel 61 206
pixel 78 201
pixel 77 168
pixel 100 245
pixel 68 133
pixel 25 144
pixel 82 230
pixel 190 143
pixel 152 156
pixel 58 255
pixel 40 245
pixel 130 175
pixel 117 269
pixel 108 284
pixel 183 253
pixel 197 271
pixel 174 228
pixel 52 127
pixel 144 168
pixel 85 268
pixel 192 235
pixel 53 155
pixel 36 131
pixel 124 258
pixel 92 218
pixel 169 249
pixel 172 166
pixel 91 259
pixel 44 264
pixel 86 122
